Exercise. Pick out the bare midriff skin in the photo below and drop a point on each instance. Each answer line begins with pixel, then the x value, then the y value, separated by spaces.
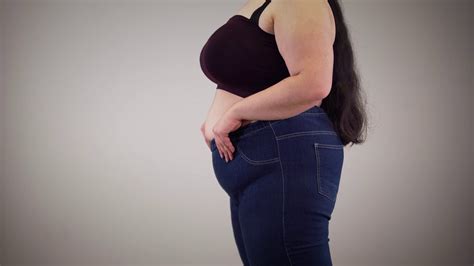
pixel 223 100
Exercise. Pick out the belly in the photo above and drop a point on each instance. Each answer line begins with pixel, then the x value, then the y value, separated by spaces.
pixel 223 100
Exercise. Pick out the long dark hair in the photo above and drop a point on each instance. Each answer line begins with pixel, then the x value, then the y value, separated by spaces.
pixel 345 104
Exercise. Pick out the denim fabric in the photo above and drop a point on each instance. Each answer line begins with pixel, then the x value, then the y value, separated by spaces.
pixel 282 186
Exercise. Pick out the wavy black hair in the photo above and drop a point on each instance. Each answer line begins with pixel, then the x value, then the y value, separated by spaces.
pixel 345 104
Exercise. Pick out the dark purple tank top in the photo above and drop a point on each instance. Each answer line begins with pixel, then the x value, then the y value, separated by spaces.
pixel 242 58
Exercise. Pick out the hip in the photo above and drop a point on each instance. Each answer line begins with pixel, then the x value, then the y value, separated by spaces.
pixel 304 148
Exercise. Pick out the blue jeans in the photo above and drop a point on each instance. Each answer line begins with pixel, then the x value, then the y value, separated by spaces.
pixel 282 186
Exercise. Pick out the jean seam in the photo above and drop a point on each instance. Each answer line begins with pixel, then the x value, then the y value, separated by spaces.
pixel 252 132
pixel 329 146
pixel 283 192
pixel 254 162
pixel 311 113
pixel 302 133
pixel 274 122
pixel 318 171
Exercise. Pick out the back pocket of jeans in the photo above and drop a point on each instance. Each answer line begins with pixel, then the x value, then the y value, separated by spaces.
pixel 329 160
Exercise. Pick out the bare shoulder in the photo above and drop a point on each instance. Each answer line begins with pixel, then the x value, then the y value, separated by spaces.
pixel 316 13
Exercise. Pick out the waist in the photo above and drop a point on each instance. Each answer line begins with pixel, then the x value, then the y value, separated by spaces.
pixel 292 125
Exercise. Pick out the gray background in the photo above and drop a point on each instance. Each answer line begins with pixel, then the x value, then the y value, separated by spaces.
pixel 102 161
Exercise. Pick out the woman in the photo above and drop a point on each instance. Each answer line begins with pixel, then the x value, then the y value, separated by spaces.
pixel 287 101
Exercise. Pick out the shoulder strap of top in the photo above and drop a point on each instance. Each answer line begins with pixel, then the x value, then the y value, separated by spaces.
pixel 256 14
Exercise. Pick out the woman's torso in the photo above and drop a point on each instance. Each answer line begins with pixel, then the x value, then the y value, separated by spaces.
pixel 223 99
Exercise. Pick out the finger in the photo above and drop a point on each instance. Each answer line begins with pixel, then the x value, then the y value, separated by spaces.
pixel 226 151
pixel 230 145
pixel 229 155
pixel 226 154
pixel 219 147
pixel 221 153
pixel 230 148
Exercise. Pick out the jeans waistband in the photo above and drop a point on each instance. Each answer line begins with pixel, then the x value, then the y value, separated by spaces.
pixel 251 127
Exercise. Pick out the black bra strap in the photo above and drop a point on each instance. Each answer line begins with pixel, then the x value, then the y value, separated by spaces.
pixel 256 14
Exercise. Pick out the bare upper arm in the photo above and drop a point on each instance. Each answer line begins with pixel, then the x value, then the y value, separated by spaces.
pixel 304 32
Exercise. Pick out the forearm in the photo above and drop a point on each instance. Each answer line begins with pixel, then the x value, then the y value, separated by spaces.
pixel 284 99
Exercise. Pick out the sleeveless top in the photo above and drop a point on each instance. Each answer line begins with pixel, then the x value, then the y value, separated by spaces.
pixel 242 58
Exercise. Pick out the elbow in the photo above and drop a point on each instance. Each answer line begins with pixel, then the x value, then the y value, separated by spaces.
pixel 315 90
pixel 319 92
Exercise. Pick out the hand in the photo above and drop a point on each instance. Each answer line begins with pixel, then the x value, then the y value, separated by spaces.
pixel 226 124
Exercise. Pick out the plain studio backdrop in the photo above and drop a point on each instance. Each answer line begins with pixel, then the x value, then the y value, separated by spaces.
pixel 102 160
